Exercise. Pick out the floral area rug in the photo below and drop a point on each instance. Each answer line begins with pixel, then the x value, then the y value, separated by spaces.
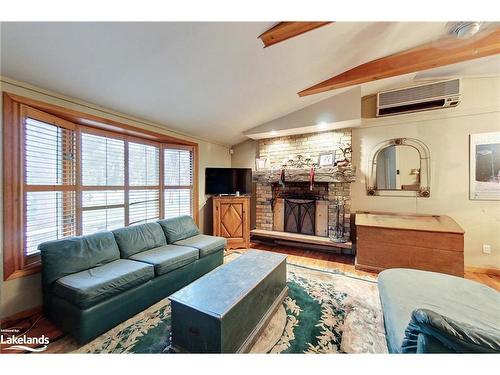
pixel 326 311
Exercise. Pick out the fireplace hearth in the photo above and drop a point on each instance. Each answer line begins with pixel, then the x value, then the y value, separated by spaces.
pixel 299 216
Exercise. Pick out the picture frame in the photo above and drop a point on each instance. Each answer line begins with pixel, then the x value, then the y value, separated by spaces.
pixel 261 164
pixel 326 159
pixel 484 157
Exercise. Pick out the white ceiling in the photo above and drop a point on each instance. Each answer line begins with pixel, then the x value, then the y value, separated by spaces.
pixel 211 80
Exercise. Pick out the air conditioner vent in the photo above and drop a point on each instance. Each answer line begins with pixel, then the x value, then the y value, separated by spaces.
pixel 419 98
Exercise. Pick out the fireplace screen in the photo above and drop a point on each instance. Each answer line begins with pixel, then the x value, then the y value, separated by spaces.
pixel 300 215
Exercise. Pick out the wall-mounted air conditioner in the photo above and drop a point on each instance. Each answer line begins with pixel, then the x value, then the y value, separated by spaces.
pixel 425 97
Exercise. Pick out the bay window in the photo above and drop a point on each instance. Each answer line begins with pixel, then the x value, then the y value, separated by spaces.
pixel 69 179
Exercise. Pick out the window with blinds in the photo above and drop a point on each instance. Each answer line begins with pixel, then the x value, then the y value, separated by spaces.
pixel 144 181
pixel 103 161
pixel 103 183
pixel 178 181
pixel 49 180
pixel 66 179
pixel 76 180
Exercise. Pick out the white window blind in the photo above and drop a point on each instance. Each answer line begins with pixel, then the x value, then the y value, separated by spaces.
pixel 144 165
pixel 102 210
pixel 178 167
pixel 144 206
pixel 144 172
pixel 50 154
pixel 103 164
pixel 178 176
pixel 177 202
pixel 49 183
pixel 103 161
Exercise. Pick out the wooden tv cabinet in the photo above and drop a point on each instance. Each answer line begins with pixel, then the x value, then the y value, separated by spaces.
pixel 231 219
pixel 425 242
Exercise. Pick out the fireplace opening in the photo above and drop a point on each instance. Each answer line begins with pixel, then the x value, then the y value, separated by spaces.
pixel 299 216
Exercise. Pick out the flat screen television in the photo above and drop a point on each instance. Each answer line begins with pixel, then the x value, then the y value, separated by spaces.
pixel 228 180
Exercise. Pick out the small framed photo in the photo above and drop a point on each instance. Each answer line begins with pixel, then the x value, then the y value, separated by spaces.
pixel 326 159
pixel 485 166
pixel 260 164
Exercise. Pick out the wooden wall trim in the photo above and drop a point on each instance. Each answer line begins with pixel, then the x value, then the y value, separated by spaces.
pixel 10 320
pixel 97 122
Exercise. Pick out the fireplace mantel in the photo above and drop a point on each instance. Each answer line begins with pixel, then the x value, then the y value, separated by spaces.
pixel 325 174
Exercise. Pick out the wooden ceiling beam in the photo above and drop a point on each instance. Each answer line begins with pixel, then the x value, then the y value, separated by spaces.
pixel 286 30
pixel 432 55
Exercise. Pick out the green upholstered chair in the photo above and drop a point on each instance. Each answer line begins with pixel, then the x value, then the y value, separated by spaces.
pixel 429 312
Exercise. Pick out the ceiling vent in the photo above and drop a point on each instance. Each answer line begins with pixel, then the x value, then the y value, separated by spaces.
pixel 429 96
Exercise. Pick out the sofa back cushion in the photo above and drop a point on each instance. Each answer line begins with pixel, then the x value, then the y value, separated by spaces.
pixel 70 255
pixel 134 239
pixel 179 228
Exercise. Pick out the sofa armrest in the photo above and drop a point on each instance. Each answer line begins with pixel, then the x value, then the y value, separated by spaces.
pixel 429 330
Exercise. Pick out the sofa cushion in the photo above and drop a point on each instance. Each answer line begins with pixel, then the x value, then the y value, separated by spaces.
pixel 87 288
pixel 70 255
pixel 134 239
pixel 167 258
pixel 404 290
pixel 179 228
pixel 206 244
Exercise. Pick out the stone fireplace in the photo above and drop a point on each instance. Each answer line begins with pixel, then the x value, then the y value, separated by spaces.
pixel 297 207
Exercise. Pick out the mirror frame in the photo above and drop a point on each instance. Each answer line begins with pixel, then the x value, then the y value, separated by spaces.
pixel 425 169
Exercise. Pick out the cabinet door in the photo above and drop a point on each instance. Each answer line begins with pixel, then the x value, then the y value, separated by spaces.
pixel 232 214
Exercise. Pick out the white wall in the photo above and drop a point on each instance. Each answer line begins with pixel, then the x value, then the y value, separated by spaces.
pixel 337 112
pixel 24 293
pixel 446 133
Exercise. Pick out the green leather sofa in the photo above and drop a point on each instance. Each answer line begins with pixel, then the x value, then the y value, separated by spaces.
pixel 92 283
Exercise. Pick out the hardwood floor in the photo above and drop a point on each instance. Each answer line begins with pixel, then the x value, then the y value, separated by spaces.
pixel 345 263
pixel 38 324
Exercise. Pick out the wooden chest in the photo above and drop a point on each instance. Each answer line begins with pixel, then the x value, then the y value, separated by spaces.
pixel 225 310
pixel 425 242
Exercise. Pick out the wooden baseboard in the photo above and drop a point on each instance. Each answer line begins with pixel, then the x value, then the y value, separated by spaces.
pixel 487 271
pixel 12 319
pixel 372 269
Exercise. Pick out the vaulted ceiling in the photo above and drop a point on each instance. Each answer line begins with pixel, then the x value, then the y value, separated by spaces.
pixel 211 80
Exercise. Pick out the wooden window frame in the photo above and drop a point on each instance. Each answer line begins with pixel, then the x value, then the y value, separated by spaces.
pixel 15 262
pixel 29 261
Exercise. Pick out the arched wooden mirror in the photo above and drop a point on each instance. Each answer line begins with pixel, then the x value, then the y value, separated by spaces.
pixel 399 167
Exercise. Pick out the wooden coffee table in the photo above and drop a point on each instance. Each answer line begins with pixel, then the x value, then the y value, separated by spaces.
pixel 226 310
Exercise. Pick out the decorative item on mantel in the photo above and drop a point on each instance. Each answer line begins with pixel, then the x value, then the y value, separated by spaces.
pixel 345 151
pixel 302 168
pixel 338 233
pixel 261 164
pixel 299 162
pixel 326 159
pixel 321 174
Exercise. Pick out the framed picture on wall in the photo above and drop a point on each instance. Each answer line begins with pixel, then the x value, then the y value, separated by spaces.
pixel 326 159
pixel 485 166
pixel 261 164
